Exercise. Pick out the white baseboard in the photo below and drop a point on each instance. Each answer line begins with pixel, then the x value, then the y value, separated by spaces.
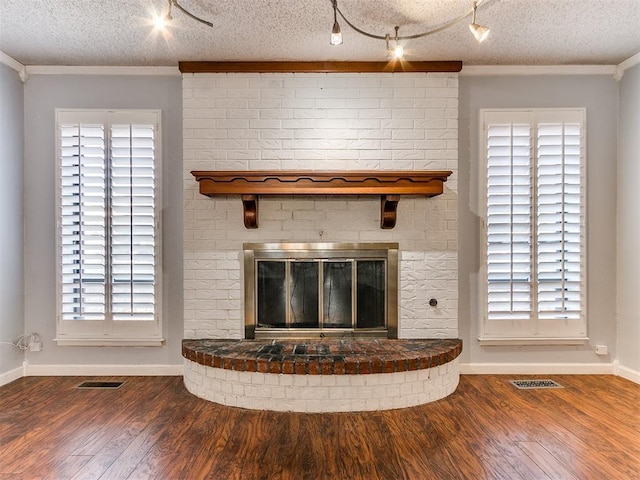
pixel 11 375
pixel 536 368
pixel 177 370
pixel 102 370
pixel 627 373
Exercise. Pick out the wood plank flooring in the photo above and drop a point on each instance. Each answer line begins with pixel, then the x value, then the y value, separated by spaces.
pixel 152 428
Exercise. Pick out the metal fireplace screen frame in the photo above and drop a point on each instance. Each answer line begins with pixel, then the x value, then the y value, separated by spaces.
pixel 321 254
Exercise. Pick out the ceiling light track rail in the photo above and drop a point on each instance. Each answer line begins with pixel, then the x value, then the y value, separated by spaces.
pixel 162 21
pixel 189 14
pixel 394 44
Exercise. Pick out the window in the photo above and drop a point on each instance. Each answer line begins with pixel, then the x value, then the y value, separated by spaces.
pixel 533 225
pixel 108 240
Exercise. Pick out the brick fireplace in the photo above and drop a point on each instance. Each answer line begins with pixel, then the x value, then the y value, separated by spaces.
pixel 308 121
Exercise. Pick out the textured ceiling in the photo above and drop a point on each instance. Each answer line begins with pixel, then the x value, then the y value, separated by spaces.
pixel 119 32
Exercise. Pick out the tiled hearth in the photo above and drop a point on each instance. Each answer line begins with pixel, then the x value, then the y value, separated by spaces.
pixel 321 375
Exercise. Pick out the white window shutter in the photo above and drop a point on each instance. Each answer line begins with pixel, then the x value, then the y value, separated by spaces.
pixel 508 221
pixel 108 243
pixel 558 220
pixel 82 221
pixel 132 221
pixel 534 239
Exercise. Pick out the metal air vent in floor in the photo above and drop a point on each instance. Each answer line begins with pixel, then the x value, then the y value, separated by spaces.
pixel 530 384
pixel 101 385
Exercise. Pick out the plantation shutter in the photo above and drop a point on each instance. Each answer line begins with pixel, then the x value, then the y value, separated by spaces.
pixel 508 221
pixel 558 220
pixel 108 224
pixel 534 240
pixel 83 221
pixel 132 221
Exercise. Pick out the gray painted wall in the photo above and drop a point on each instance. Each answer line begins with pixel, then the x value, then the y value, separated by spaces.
pixel 11 214
pixel 629 221
pixel 599 95
pixel 43 94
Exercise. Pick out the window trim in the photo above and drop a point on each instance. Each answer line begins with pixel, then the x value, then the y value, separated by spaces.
pixel 529 331
pixel 110 332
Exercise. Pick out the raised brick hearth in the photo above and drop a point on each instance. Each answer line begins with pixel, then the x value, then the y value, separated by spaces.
pixel 321 376
pixel 326 357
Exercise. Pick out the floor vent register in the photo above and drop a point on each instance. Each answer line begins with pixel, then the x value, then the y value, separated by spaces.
pixel 531 384
pixel 101 385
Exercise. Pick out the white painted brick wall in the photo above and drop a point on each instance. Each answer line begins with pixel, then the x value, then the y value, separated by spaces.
pixel 320 122
pixel 321 393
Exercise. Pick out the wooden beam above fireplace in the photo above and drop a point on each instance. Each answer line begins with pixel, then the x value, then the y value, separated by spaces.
pixel 388 184
pixel 320 67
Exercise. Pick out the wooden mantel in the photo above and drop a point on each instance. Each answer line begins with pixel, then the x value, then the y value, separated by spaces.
pixel 388 184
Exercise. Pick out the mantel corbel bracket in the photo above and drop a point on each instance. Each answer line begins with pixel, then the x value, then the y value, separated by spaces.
pixel 389 210
pixel 250 211
pixel 389 185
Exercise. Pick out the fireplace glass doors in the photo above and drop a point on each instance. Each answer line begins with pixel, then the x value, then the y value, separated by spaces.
pixel 317 290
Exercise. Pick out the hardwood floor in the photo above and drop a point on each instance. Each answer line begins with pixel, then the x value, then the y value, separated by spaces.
pixel 152 428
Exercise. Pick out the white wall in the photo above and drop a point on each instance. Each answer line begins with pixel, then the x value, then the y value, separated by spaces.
pixel 44 93
pixel 320 122
pixel 599 95
pixel 628 348
pixel 11 210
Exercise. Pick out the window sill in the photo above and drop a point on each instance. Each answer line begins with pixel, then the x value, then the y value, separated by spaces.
pixel 521 341
pixel 109 342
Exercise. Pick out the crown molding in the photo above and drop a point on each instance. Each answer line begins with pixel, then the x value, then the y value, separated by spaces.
pixel 626 65
pixel 103 70
pixel 14 64
pixel 10 62
pixel 469 70
pixel 529 70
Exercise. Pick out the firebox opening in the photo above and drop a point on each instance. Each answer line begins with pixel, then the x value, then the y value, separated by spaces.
pixel 310 290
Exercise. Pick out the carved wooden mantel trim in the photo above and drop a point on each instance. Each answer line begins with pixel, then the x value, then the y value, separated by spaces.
pixel 388 184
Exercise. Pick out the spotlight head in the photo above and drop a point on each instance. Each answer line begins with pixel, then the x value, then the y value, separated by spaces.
pixel 336 34
pixel 398 52
pixel 479 32
pixel 160 22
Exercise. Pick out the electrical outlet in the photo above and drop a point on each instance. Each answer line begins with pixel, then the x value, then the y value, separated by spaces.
pixel 35 346
pixel 602 350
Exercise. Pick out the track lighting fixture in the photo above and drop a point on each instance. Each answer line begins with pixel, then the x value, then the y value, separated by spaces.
pixel 395 48
pixel 398 51
pixel 336 34
pixel 161 22
pixel 395 51
pixel 479 32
